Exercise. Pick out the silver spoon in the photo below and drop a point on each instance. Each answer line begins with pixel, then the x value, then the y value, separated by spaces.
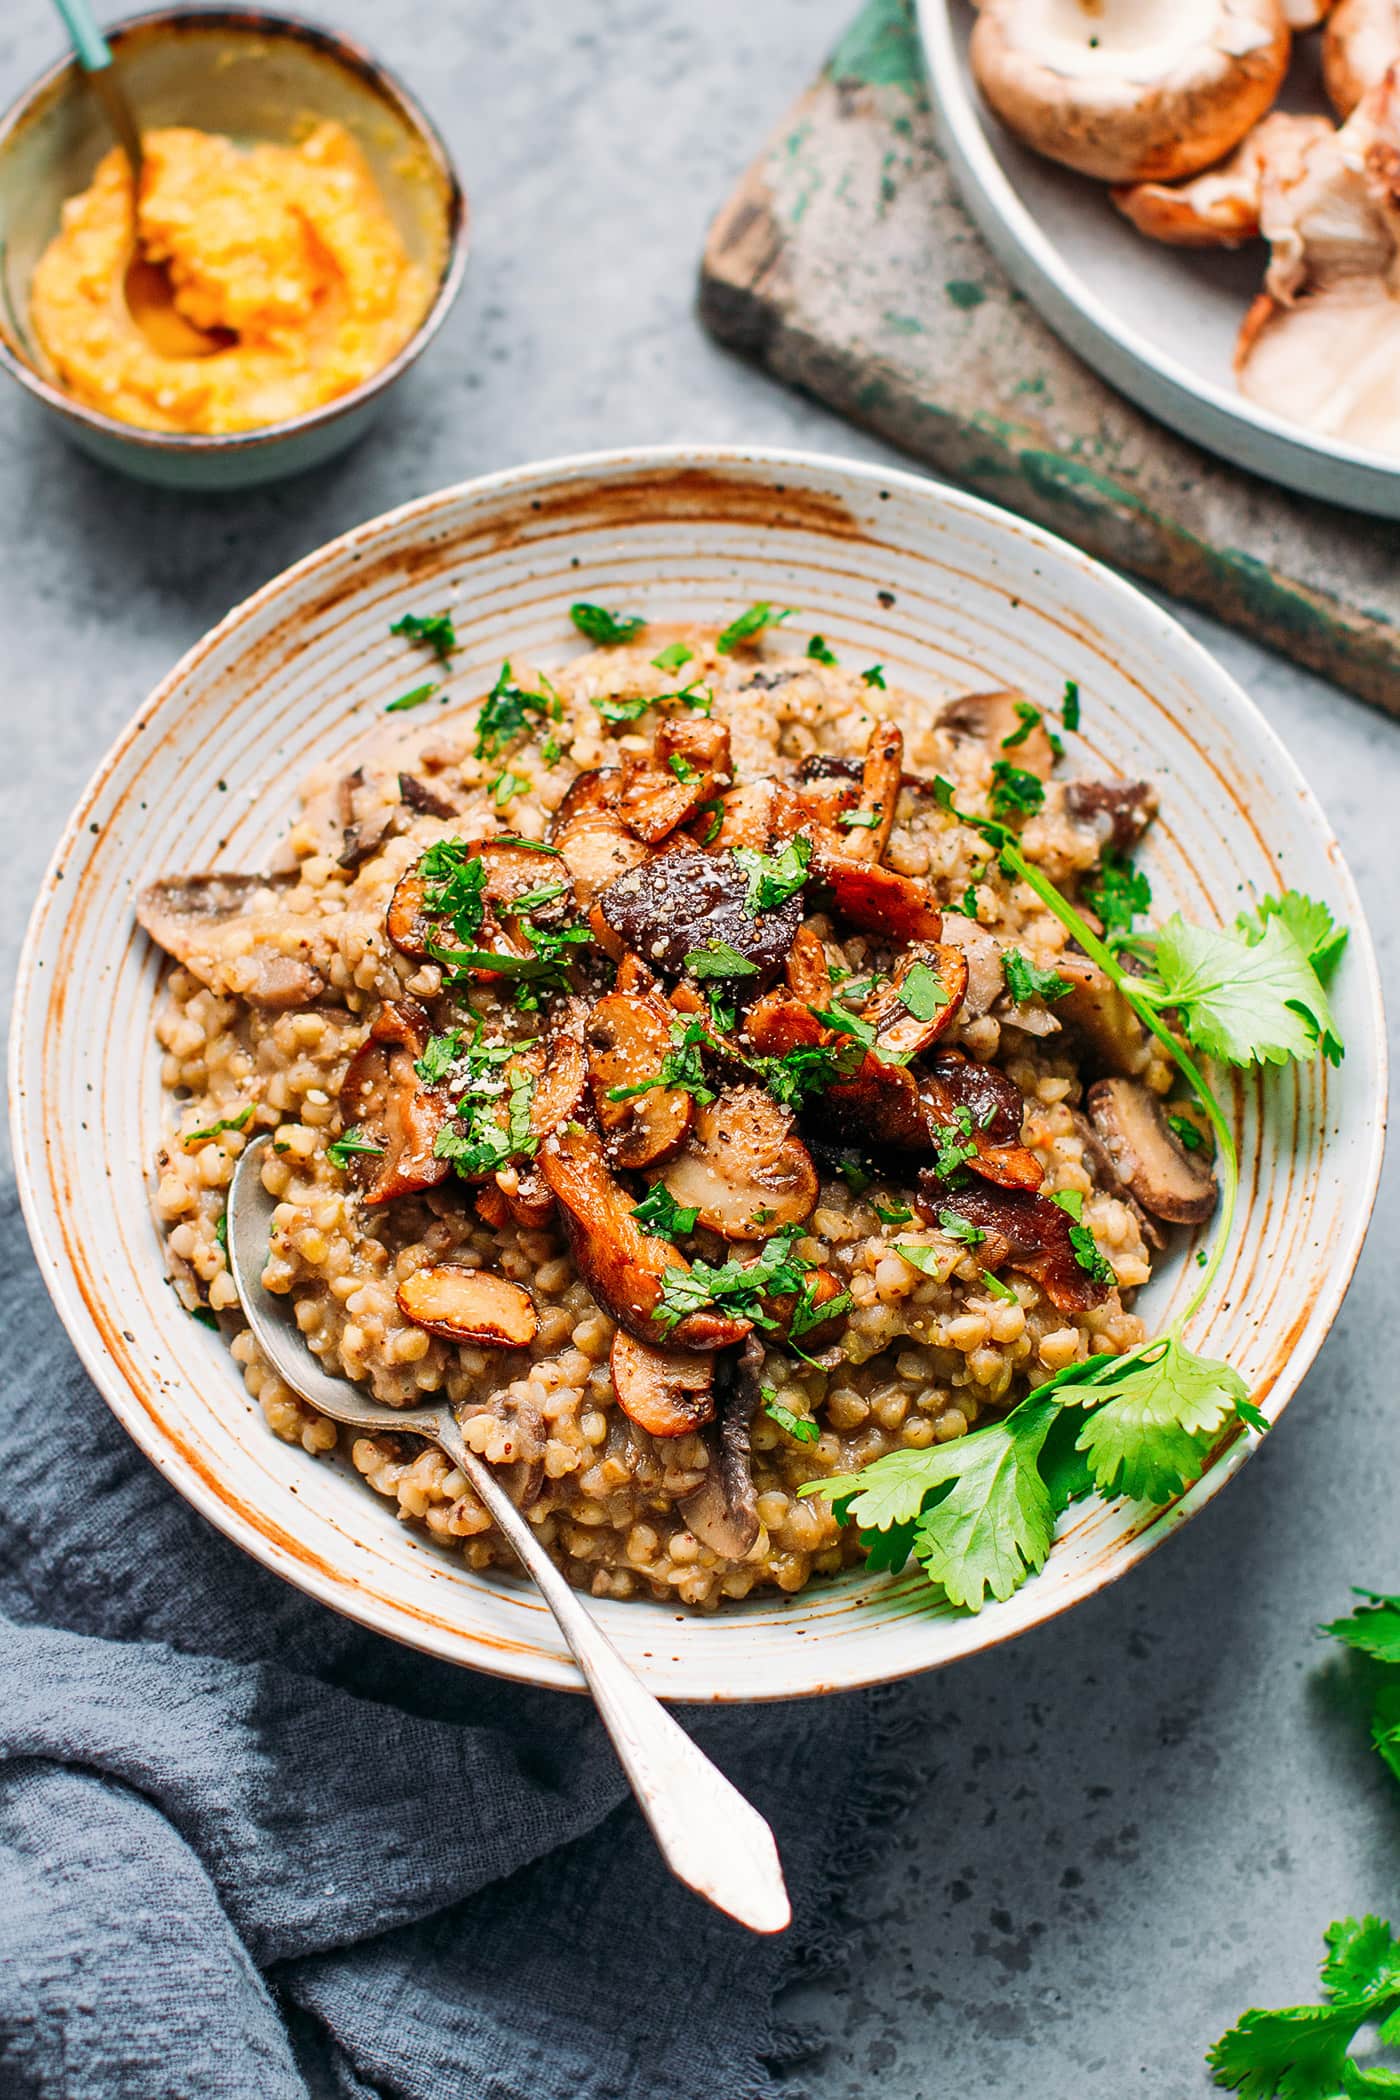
pixel 711 1838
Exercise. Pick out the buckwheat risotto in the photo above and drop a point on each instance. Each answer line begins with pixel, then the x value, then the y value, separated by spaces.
pixel 660 1066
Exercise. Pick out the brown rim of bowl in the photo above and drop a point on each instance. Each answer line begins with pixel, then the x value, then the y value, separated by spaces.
pixel 384 84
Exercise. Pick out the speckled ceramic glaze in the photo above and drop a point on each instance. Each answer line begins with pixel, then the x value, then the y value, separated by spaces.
pixel 254 76
pixel 947 593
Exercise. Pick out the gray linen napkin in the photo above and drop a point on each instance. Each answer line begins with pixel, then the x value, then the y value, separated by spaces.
pixel 249 1852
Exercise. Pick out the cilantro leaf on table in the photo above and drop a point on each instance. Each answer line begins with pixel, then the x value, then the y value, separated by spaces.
pixel 1317 933
pixel 1245 1001
pixel 1026 980
pixel 1303 2052
pixel 1374 1627
pixel 748 624
pixel 597 624
pixel 1155 1415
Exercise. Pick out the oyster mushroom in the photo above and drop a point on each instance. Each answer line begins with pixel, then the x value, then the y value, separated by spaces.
pixel 688 765
pixel 468 1305
pixel 1361 44
pixel 912 1009
pixel 1319 345
pixel 723 1511
pixel 628 1040
pixel 382 1096
pixel 1167 1180
pixel 685 902
pixel 744 1169
pixel 1219 209
pixel 585 795
pixel 513 874
pixel 747 816
pixel 597 848
pixel 624 1267
pixel 877 900
pixel 1131 90
pixel 988 719
pixel 229 932
pixel 1095 1007
pixel 667 1392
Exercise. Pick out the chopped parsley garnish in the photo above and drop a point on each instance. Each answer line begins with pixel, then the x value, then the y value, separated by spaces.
pixel 454 885
pixel 893 1213
pixel 551 750
pixel 530 845
pixel 614 707
pixel 1071 1201
pixel 673 656
pixel 960 1229
pixel 969 901
pixel 802 1427
pixel 492 1123
pixel 1119 894
pixel 660 1214
pixel 713 813
pixel 818 651
pixel 774 877
pixel 859 819
pixel 681 1071
pixel 736 1287
pixel 954 1147
pixel 1015 793
pixel 845 1024
pixel 718 959
pixel 413 698
pixel 506 787
pixel 1087 1255
pixel 505 714
pixel 855 1173
pixel 600 625
pixel 1069 706
pixel 221 1231
pixel 747 625
pixel 685 772
pixel 533 899
pixel 1186 1132
pixel 922 991
pixel 213 1130
pixel 1025 980
pixel 999 1289
pixel 809 1070
pixel 205 1316
pixel 874 676
pixel 811 1311
pixel 350 1145
pixel 696 696
pixel 1028 718
pixel 440 1054
pixel 924 1259
pixel 434 630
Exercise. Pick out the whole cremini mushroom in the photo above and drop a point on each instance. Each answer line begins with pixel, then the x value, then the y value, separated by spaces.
pixel 1167 1180
pixel 1131 90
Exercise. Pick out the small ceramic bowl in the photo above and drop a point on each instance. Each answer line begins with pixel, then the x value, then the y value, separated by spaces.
pixel 253 76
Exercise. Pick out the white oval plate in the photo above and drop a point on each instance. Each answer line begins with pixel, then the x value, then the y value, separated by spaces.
pixel 947 593
pixel 1159 323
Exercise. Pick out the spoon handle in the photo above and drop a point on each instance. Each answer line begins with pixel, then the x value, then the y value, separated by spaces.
pixel 94 55
pixel 709 1835
pixel 87 39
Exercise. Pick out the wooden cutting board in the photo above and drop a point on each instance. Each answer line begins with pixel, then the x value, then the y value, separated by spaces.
pixel 845 264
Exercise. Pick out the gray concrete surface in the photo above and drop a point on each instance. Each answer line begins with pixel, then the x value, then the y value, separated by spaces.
pixel 1139 1820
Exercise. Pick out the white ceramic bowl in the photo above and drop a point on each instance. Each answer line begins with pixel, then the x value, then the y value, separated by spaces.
pixel 1159 323
pixel 947 593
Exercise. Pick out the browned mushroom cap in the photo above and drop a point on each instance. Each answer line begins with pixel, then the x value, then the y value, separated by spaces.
pixel 988 719
pixel 664 1391
pixel 1094 1005
pixel 982 952
pixel 468 1305
pixel 621 1265
pixel 228 932
pixel 744 1170
pixel 596 848
pixel 689 765
pixel 526 1194
pixel 1166 1179
pixel 901 1032
pixel 683 902
pixel 807 970
pixel 559 1089
pixel 406 921
pixel 1034 1231
pixel 1117 812
pixel 879 793
pixel 634 976
pixel 820 1288
pixel 993 1102
pixel 723 1511
pixel 586 794
pixel 746 816
pixel 382 1096
pixel 1361 44
pixel 893 907
pixel 628 1040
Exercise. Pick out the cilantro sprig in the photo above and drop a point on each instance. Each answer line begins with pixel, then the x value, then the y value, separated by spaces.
pixel 1303 2052
pixel 599 625
pixel 978 1513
